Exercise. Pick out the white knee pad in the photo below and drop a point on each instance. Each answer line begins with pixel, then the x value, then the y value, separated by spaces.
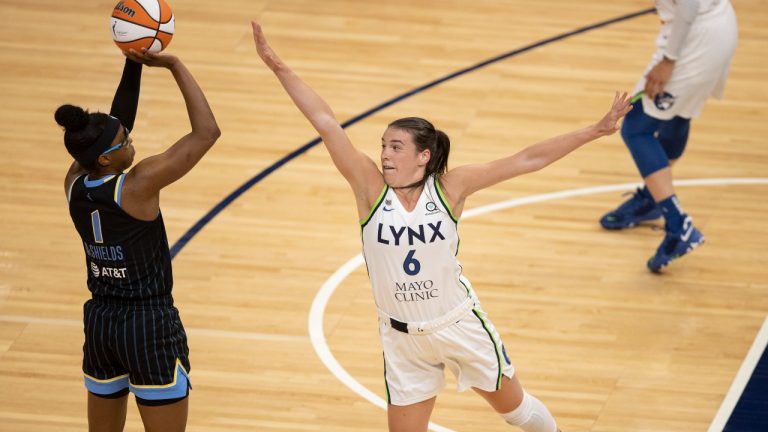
pixel 531 416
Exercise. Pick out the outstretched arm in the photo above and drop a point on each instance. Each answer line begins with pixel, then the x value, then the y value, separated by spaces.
pixel 156 172
pixel 357 168
pixel 124 106
pixel 463 181
pixel 126 100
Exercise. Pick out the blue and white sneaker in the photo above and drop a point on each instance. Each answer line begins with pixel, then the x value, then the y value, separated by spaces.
pixel 640 207
pixel 676 245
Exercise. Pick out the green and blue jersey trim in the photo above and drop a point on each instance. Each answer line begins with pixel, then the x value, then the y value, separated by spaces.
pixel 444 201
pixel 496 347
pixel 376 205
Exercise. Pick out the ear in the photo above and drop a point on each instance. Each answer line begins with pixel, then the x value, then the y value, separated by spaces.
pixel 425 156
pixel 104 160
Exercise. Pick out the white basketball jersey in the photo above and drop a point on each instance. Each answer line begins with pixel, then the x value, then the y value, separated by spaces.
pixel 666 8
pixel 411 256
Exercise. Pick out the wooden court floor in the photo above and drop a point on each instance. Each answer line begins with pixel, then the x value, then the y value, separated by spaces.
pixel 606 345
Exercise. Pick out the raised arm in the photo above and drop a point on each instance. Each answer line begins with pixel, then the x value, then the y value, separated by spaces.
pixel 357 168
pixel 126 100
pixel 155 172
pixel 124 106
pixel 465 180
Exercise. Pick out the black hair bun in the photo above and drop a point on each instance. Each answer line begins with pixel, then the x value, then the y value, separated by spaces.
pixel 73 118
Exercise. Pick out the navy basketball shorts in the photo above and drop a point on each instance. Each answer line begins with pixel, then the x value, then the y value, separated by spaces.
pixel 135 346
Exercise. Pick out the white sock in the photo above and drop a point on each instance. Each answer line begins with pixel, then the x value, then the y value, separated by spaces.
pixel 531 416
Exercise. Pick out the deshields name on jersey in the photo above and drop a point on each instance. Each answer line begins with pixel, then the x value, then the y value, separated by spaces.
pixel 104 253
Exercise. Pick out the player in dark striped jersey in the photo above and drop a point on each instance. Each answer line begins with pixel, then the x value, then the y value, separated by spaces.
pixel 134 339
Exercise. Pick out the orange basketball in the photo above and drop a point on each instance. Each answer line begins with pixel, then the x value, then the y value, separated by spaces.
pixel 141 24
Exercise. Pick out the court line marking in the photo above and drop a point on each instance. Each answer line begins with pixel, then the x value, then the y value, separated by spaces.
pixel 741 379
pixel 319 303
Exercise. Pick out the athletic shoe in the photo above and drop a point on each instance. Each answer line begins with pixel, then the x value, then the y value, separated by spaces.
pixel 640 207
pixel 676 245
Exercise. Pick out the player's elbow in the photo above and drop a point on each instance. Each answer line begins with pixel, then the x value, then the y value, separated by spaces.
pixel 532 162
pixel 208 135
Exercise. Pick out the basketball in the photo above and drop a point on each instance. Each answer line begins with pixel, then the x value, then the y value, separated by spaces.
pixel 141 24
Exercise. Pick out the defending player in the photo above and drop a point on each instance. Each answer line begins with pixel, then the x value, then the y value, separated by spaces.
pixel 429 315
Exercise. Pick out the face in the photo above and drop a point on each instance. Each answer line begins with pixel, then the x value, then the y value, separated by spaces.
pixel 401 161
pixel 120 155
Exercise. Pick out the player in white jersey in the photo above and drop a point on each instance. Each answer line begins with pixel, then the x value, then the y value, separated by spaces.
pixel 429 315
pixel 691 62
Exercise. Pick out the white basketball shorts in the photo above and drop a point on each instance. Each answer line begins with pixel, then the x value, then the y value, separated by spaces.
pixel 414 363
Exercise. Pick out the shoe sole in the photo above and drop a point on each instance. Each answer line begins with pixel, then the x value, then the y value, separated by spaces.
pixel 691 247
pixel 630 224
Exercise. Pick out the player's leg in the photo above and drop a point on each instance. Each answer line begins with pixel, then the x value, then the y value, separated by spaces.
pixel 106 413
pixel 681 236
pixel 519 408
pixel 105 377
pixel 159 367
pixel 169 415
pixel 413 376
pixel 476 355
pixel 639 133
pixel 410 418
pixel 673 137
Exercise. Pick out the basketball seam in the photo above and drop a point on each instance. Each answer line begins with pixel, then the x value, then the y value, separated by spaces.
pixel 141 25
pixel 136 40
pixel 159 12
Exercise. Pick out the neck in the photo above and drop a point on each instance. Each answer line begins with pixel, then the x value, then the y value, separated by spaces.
pixel 414 185
pixel 103 172
pixel 408 195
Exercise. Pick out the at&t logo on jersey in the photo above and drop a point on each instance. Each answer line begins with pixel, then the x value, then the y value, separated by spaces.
pixel 116 273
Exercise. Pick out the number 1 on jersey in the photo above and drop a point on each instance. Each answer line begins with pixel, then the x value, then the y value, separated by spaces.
pixel 411 265
pixel 96 223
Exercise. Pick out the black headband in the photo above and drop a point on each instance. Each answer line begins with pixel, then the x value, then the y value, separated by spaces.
pixel 103 142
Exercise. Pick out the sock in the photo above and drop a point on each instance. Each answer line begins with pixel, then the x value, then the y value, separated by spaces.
pixel 645 193
pixel 531 416
pixel 673 214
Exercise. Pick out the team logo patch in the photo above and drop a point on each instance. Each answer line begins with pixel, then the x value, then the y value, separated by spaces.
pixel 664 101
pixel 95 269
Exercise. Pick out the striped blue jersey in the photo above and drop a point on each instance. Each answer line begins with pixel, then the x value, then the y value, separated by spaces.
pixel 125 258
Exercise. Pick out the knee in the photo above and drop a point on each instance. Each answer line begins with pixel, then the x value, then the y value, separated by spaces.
pixel 531 416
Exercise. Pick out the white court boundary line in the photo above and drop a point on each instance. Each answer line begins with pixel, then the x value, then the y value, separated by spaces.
pixel 317 311
pixel 740 382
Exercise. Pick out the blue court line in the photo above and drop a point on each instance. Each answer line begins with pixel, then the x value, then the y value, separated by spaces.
pixel 192 232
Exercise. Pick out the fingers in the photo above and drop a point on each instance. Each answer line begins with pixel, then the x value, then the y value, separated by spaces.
pixel 142 57
pixel 258 33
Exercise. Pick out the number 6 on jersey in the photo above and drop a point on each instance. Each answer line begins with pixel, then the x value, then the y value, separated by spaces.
pixel 411 265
